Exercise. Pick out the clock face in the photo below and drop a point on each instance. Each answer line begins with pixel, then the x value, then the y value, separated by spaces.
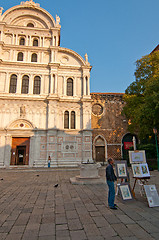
pixel 97 109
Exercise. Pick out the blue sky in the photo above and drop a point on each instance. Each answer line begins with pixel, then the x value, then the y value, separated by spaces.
pixel 114 33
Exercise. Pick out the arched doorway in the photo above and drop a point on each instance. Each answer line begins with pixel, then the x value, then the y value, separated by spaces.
pixel 20 130
pixel 100 149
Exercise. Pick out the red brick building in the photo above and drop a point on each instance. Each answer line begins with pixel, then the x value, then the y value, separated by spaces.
pixel 110 137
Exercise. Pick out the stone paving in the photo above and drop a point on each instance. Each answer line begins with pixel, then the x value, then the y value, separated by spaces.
pixel 32 208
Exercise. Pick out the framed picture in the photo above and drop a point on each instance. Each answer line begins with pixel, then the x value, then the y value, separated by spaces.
pixel 121 169
pixel 125 191
pixel 136 170
pixel 145 170
pixel 137 156
pixel 152 195
pixel 140 170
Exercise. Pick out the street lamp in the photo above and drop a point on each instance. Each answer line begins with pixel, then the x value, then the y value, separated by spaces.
pixel 155 132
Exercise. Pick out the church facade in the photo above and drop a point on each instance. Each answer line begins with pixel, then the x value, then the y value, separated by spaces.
pixel 45 101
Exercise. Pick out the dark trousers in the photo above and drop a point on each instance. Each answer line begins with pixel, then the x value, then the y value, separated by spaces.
pixel 111 193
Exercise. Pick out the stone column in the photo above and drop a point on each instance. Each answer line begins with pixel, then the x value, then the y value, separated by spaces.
pixel 16 39
pixel 31 82
pixel 56 90
pixel 88 86
pixel 84 85
pixel 7 82
pixel 7 150
pixel 19 83
pixel 51 83
pixel 64 86
pixel 74 88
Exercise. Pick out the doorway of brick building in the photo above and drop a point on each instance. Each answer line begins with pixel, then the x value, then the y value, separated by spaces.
pixel 20 151
pixel 100 153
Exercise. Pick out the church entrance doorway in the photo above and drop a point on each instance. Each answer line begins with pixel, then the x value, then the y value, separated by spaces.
pixel 20 151
pixel 20 155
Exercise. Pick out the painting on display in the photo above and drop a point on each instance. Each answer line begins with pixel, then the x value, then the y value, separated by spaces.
pixel 140 170
pixel 121 169
pixel 137 156
pixel 125 192
pixel 152 195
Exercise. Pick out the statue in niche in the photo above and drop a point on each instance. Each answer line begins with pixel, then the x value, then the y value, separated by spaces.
pixel 22 111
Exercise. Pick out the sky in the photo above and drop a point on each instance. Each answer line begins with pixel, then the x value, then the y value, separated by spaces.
pixel 114 34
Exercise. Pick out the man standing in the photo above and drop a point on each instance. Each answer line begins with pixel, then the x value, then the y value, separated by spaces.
pixel 110 176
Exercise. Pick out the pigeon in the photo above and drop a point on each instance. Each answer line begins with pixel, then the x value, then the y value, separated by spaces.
pixel 56 185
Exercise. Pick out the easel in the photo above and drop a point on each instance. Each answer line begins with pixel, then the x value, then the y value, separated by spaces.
pixel 141 181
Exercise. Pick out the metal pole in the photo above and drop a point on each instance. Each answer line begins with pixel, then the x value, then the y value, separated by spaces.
pixel 157 152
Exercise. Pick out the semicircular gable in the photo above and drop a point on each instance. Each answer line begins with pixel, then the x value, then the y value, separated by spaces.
pixel 20 15
pixel 21 124
pixel 69 57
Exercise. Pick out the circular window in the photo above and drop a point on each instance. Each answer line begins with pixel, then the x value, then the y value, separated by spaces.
pixel 97 109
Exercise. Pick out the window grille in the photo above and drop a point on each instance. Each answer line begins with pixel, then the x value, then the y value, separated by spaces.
pixel 13 83
pixel 37 83
pixel 25 84
pixel 69 87
pixel 66 120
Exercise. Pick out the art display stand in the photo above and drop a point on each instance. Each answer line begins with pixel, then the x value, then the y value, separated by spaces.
pixel 140 170
pixel 141 182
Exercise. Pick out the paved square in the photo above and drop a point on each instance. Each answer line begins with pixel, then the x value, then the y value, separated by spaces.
pixel 32 208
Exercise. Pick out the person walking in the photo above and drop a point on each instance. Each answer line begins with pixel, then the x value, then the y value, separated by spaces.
pixel 111 178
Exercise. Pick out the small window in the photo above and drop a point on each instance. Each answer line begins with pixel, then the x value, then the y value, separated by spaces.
pixel 30 25
pixel 35 42
pixel 25 84
pixel 69 87
pixel 22 41
pixel 66 120
pixel 73 120
pixel 13 83
pixel 20 56
pixel 34 57
pixel 37 83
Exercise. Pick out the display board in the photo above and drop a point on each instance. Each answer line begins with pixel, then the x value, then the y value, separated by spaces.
pixel 152 195
pixel 121 169
pixel 137 156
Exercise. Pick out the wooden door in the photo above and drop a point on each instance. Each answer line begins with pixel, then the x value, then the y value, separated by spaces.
pixel 100 153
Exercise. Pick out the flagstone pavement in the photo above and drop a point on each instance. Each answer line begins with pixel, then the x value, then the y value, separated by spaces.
pixel 31 207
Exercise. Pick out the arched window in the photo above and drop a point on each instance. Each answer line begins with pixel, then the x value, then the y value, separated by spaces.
pixel 73 120
pixel 25 84
pixel 35 42
pixel 34 57
pixel 69 87
pixel 30 25
pixel 13 83
pixel 22 41
pixel 66 120
pixel 20 56
pixel 37 84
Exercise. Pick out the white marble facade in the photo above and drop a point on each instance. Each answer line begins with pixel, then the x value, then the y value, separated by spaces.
pixel 44 92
